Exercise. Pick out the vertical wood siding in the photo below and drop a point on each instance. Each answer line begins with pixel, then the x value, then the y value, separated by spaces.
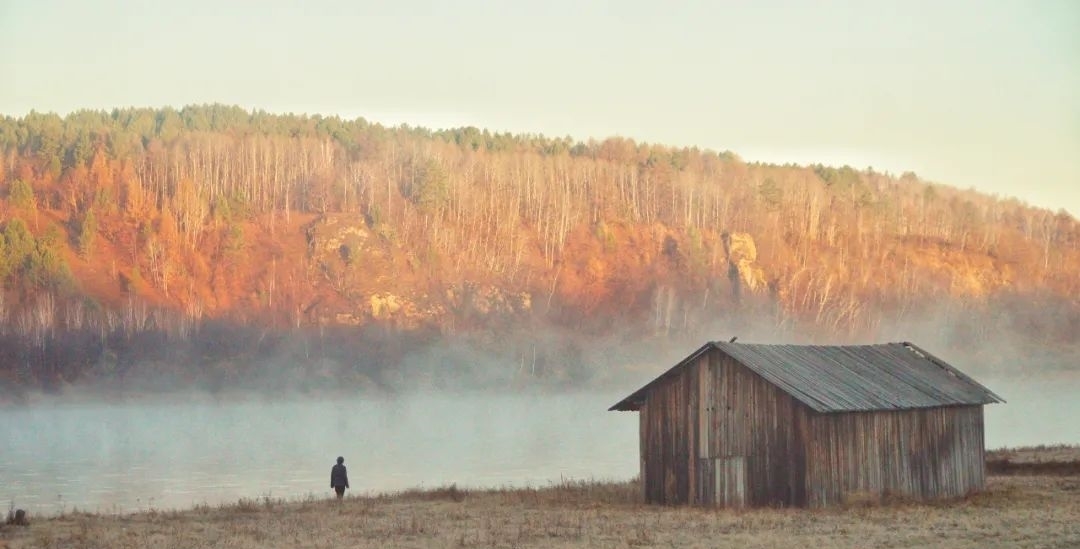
pixel 668 440
pixel 717 433
pixel 752 438
pixel 924 453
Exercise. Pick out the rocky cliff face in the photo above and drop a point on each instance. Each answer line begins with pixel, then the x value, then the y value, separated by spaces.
pixel 741 255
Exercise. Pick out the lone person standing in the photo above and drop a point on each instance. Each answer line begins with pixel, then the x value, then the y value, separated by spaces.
pixel 339 478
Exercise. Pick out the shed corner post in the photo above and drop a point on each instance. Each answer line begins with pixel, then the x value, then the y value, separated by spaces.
pixel 643 449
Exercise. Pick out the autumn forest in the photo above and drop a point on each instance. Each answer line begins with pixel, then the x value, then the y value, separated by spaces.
pixel 213 247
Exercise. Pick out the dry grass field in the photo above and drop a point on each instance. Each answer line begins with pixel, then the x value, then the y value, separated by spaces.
pixel 1058 459
pixel 1014 511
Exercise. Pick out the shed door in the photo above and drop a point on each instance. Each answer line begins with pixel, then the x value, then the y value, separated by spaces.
pixel 731 481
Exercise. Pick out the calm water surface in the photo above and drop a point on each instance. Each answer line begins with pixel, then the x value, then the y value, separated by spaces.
pixel 116 457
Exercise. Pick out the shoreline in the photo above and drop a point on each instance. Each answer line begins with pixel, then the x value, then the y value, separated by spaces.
pixel 1021 508
pixel 1042 460
pixel 1014 510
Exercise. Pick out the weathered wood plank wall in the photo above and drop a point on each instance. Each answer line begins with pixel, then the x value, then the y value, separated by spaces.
pixel 752 444
pixel 668 440
pixel 924 453
pixel 718 433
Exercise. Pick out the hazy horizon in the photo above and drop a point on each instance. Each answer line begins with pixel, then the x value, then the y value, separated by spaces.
pixel 969 95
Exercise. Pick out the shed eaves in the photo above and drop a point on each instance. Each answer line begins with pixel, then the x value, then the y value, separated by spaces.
pixel 852 378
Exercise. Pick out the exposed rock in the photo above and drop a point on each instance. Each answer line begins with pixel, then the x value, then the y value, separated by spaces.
pixel 488 299
pixel 384 305
pixel 405 311
pixel 342 237
pixel 742 254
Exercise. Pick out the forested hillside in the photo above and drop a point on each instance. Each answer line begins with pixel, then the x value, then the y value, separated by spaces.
pixel 206 245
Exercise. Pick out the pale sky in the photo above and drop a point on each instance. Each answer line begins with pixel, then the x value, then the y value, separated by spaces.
pixel 979 94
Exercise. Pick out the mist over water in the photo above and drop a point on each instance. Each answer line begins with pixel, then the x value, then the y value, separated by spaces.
pixel 1038 410
pixel 173 453
pixel 178 450
pixel 117 457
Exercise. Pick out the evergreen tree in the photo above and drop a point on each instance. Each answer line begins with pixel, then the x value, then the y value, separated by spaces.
pixel 22 195
pixel 87 234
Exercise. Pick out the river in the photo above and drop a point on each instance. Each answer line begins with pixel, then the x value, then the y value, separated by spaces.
pixel 173 453
pixel 119 457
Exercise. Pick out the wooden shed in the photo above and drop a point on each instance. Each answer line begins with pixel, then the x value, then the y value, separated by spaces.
pixel 789 425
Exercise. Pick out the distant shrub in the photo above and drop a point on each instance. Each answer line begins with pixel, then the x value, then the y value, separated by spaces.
pixel 22 195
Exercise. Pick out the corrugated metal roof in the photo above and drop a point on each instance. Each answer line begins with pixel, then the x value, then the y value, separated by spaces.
pixel 849 378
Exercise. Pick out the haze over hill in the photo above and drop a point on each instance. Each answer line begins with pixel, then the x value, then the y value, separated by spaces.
pixel 218 247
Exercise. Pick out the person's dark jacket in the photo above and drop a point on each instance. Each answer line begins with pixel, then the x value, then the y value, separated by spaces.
pixel 338 476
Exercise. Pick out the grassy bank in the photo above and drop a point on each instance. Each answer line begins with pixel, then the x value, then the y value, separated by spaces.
pixel 1015 511
pixel 1056 459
